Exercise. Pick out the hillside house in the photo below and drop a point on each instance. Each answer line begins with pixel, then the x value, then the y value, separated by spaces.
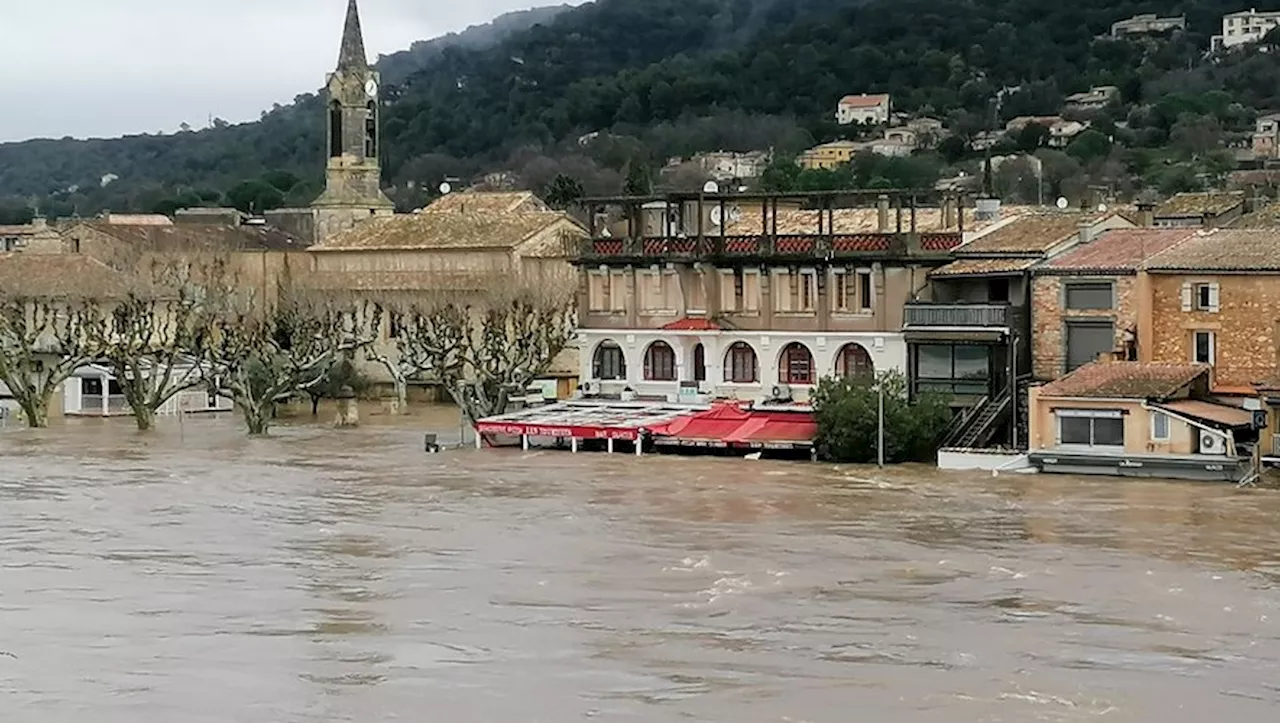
pixel 864 109
pixel 1245 26
pixel 1266 136
pixel 829 155
pixel 1094 99
pixel 1147 24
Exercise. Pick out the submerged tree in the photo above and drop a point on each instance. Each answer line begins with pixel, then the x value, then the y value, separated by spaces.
pixel 266 356
pixel 158 335
pixel 50 310
pixel 483 352
pixel 847 412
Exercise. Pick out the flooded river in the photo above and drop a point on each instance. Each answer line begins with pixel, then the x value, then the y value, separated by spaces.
pixel 194 575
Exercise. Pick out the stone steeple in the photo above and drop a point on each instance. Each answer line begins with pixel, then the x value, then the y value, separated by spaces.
pixel 351 55
pixel 353 173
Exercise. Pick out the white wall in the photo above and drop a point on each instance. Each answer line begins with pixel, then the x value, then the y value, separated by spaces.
pixel 887 350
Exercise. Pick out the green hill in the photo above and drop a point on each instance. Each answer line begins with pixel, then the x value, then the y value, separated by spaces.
pixel 671 77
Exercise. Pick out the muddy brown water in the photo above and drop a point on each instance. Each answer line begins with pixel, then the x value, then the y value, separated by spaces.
pixel 194 575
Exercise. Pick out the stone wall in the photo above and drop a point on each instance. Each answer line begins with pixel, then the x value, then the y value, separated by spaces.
pixel 1245 325
pixel 1049 317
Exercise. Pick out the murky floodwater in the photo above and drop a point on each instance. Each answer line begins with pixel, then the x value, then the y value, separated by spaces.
pixel 194 575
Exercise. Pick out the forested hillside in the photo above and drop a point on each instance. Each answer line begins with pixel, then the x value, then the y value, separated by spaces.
pixel 672 77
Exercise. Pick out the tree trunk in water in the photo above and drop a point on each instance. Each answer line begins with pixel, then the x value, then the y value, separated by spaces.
pixel 36 410
pixel 402 396
pixel 315 406
pixel 145 416
pixel 257 417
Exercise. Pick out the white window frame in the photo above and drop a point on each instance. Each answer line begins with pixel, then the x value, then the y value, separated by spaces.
pixel 1060 414
pixel 1205 297
pixel 1156 417
pixel 1213 346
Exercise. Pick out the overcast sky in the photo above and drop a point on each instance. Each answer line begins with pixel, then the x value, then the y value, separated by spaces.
pixel 102 68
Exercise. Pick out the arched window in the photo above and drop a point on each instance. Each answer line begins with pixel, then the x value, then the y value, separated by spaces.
pixel 797 365
pixel 335 129
pixel 371 131
pixel 740 366
pixel 660 363
pixel 609 362
pixel 854 361
pixel 700 363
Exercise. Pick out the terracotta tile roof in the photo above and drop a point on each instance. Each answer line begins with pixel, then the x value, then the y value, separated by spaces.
pixel 1266 217
pixel 1033 233
pixel 980 267
pixel 17 230
pixel 184 237
pixel 1125 380
pixel 488 202
pixel 864 101
pixel 1199 204
pixel 1117 250
pixel 1222 250
pixel 852 220
pixel 59 276
pixel 687 324
pixel 1210 412
pixel 455 230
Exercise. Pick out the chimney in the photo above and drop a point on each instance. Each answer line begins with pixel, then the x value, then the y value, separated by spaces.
pixel 40 223
pixel 882 215
pixel 1084 230
pixel 1146 214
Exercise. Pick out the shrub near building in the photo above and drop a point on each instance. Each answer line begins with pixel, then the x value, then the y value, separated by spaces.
pixel 847 413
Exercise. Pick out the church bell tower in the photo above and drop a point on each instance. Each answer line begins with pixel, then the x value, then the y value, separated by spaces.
pixel 353 139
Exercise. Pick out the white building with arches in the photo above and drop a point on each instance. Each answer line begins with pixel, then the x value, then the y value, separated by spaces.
pixel 675 307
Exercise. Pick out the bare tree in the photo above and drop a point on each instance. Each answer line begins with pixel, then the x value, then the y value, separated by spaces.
pixel 159 332
pixel 428 339
pixel 50 310
pixel 266 356
pixel 482 352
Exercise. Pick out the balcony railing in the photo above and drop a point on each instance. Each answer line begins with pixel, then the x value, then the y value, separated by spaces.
pixel 770 245
pixel 955 315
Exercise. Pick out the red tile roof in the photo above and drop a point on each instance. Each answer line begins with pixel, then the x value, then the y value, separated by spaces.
pixel 1222 250
pixel 688 324
pixel 864 101
pixel 1118 250
pixel 1125 380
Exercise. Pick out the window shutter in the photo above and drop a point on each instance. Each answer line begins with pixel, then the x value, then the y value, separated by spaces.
pixel 1186 296
pixel 727 301
pixel 1213 296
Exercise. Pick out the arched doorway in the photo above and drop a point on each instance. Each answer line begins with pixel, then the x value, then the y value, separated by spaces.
pixel 659 363
pixel 700 363
pixel 796 365
pixel 609 363
pixel 741 365
pixel 854 361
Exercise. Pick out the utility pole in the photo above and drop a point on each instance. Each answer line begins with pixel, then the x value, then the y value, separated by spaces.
pixel 880 432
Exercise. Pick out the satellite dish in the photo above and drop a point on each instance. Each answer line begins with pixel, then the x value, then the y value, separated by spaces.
pixel 716 216
pixel 1102 208
pixel 711 187
pixel 1062 202
pixel 445 188
pixel 735 213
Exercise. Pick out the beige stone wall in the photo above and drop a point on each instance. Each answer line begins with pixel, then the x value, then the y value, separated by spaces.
pixel 1245 326
pixel 1049 317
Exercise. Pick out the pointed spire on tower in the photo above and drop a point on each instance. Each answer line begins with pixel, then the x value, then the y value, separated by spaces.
pixel 352 55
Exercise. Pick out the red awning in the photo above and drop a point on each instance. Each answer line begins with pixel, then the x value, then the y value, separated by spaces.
pixel 733 426
pixel 688 324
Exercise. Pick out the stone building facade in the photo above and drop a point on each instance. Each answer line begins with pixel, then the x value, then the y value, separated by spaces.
pixel 1085 303
pixel 1215 298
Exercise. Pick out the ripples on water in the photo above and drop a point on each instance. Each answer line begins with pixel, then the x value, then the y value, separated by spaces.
pixel 194 575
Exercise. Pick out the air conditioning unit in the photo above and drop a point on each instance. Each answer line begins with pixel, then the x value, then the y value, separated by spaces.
pixel 1212 443
pixel 589 388
pixel 780 393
